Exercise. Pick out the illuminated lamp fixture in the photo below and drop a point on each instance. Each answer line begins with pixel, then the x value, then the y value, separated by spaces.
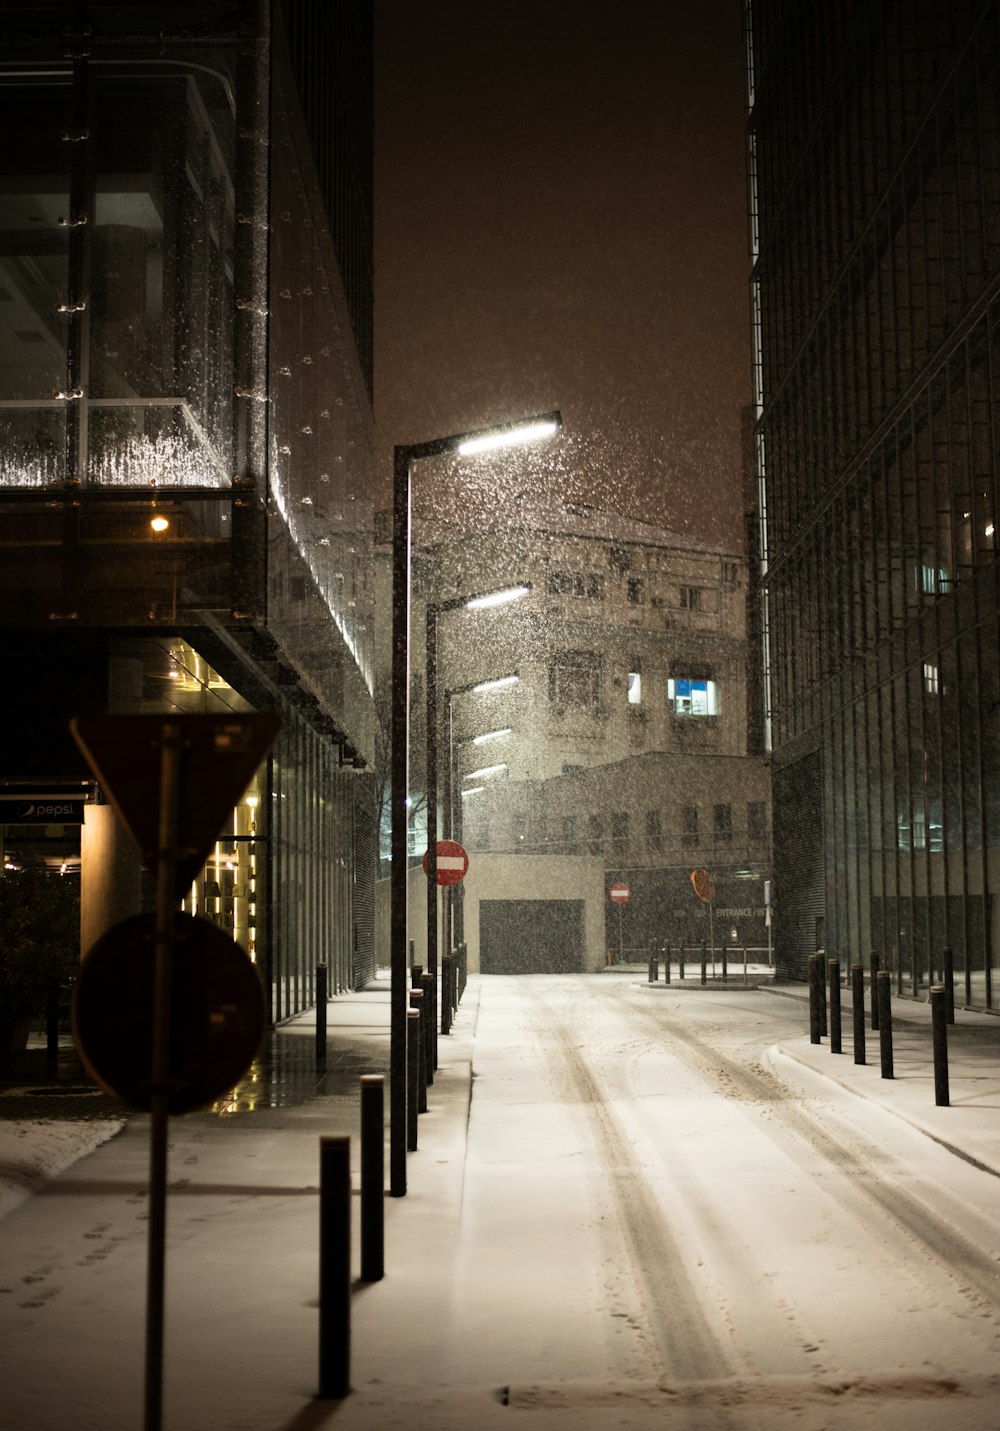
pixel 497 598
pixel 485 770
pixel 157 522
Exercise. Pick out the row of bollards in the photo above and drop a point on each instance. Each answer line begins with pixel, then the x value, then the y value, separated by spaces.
pixel 335 1192
pixel 881 1014
pixel 667 952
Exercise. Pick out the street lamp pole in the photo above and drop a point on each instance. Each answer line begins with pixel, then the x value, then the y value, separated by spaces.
pixel 404 459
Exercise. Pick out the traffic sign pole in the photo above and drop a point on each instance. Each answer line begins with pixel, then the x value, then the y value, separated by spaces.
pixel 170 769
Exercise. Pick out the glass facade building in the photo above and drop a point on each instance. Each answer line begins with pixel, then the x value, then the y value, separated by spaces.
pixel 186 425
pixel 874 156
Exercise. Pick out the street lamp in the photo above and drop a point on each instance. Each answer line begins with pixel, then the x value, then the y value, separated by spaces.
pixel 404 459
pixel 435 609
pixel 453 815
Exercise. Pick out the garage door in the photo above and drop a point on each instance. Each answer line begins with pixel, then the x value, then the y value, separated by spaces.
pixel 531 936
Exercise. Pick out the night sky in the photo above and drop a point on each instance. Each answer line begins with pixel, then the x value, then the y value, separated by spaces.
pixel 561 222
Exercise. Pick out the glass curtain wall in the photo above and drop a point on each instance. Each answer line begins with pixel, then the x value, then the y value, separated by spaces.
pixel 876 173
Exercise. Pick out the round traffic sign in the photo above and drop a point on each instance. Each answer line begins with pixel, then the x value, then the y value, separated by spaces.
pixel 619 893
pixel 216 1017
pixel 701 882
pixel 452 862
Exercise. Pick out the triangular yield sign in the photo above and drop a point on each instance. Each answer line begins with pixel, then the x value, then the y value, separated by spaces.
pixel 219 755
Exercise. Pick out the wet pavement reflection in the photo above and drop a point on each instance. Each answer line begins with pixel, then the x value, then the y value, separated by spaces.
pixel 286 1073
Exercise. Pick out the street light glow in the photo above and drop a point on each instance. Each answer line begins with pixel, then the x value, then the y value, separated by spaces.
pixel 485 770
pixel 508 437
pixel 491 735
pixel 495 685
pixel 497 598
pixel 473 790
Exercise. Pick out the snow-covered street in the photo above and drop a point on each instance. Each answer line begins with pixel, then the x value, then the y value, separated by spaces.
pixel 652 1212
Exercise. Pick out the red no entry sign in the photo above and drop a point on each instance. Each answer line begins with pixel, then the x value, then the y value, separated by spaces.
pixel 619 893
pixel 452 862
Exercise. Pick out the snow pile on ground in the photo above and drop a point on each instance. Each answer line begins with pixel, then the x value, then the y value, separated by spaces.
pixel 33 1150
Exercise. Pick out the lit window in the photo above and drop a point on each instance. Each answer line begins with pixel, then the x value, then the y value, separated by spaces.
pixel 688 696
pixel 932 679
pixel 635 688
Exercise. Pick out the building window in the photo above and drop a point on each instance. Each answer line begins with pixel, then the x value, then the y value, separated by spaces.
pixel 635 688
pixel 586 584
pixel 757 820
pixel 595 834
pixel 691 696
pixel 570 834
pixel 689 825
pixel 691 598
pixel 619 832
pixel 574 680
pixel 635 590
pixel 722 824
pixel 654 830
pixel 932 679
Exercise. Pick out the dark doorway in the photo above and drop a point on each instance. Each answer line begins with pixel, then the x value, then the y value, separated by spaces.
pixel 531 936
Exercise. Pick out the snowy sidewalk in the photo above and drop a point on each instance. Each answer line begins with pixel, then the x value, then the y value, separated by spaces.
pixel 243 1232
pixel 970 1126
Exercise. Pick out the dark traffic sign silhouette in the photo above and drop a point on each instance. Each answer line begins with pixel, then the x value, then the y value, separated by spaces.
pixel 219 756
pixel 217 1012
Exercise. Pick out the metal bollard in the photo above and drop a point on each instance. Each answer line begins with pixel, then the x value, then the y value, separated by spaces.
pixel 884 996
pixel 744 966
pixel 833 966
pixel 666 963
pixel 52 1024
pixel 654 969
pixel 914 972
pixel 372 1177
pixel 417 1002
pixel 334 1267
pixel 939 1042
pixel 704 960
pixel 949 984
pixel 815 978
pixel 416 974
pixel 725 965
pixel 823 1026
pixel 858 1010
pixel 874 963
pixel 680 963
pixel 412 1078
pixel 446 994
pixel 321 1014
pixel 427 980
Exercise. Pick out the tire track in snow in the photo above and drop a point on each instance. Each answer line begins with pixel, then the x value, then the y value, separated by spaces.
pixel 973 1272
pixel 688 1347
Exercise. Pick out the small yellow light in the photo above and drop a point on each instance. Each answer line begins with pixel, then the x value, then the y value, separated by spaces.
pixel 159 523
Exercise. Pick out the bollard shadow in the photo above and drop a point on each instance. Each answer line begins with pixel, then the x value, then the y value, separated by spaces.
pixel 314 1414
